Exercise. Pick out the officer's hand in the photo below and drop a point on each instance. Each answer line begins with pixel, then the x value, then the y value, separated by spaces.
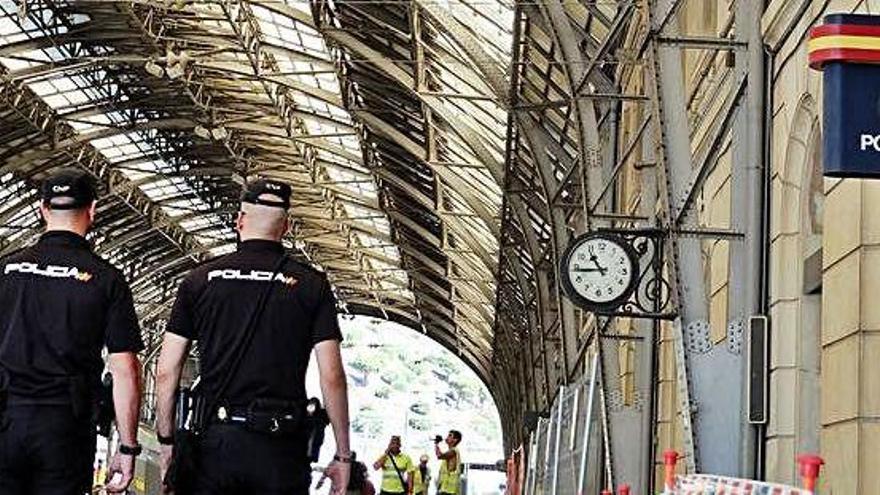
pixel 166 453
pixel 120 472
pixel 338 472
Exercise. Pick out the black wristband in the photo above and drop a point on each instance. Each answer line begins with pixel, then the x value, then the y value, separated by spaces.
pixel 169 440
pixel 339 458
pixel 129 450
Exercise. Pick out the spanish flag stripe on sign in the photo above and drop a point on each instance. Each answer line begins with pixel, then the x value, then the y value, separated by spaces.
pixel 819 57
pixel 855 43
pixel 845 29
pixel 849 54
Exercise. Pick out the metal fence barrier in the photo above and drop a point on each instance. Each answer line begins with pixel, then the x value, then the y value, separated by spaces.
pixel 564 454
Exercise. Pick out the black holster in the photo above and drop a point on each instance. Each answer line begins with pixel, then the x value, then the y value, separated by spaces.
pixel 190 420
pixel 105 412
pixel 315 422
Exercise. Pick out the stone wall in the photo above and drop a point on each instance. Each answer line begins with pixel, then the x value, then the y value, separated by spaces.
pixel 825 271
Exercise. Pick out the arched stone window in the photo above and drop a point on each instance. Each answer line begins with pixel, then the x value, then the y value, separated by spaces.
pixel 796 286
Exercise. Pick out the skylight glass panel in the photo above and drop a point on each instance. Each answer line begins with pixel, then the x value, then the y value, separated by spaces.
pixel 71 93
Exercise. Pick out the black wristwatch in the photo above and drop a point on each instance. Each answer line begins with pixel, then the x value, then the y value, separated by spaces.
pixel 169 440
pixel 129 450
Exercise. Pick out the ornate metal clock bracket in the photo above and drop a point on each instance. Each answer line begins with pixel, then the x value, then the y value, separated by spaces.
pixel 652 297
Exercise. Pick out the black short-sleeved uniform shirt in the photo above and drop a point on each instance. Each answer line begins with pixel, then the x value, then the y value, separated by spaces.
pixel 60 305
pixel 213 306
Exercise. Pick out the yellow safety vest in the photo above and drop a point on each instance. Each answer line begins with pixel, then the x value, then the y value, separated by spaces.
pixel 390 480
pixel 420 485
pixel 450 479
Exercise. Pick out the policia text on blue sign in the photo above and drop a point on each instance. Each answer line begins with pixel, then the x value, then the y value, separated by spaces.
pixel 847 49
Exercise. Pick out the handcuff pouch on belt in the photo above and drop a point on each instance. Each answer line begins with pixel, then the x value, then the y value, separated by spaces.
pixel 274 417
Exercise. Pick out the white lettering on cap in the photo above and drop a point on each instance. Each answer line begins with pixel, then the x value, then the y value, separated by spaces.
pixel 60 189
pixel 274 187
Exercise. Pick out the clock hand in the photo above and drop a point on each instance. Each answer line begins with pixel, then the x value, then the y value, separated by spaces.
pixel 578 269
pixel 595 260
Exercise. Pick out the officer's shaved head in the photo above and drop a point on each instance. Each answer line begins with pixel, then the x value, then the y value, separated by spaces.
pixel 256 221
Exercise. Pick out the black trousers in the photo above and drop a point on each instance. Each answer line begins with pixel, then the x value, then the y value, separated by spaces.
pixel 234 461
pixel 44 450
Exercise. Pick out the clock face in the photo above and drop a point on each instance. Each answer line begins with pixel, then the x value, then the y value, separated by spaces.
pixel 599 271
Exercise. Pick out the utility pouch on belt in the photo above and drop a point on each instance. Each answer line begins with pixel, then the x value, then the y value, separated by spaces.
pixel 276 417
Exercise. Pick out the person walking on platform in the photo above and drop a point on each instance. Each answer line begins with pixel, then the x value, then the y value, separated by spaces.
pixel 61 306
pixel 256 315
pixel 397 469
pixel 450 465
pixel 421 477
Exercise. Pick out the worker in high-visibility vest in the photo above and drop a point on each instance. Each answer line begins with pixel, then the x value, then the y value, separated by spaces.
pixel 449 482
pixel 397 469
pixel 421 477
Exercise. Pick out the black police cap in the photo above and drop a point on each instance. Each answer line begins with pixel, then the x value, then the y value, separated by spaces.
pixel 68 189
pixel 253 191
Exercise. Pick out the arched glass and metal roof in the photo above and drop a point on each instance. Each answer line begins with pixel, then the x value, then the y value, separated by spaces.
pixel 432 145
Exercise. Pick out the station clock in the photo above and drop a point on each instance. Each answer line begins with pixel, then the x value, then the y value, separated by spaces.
pixel 599 271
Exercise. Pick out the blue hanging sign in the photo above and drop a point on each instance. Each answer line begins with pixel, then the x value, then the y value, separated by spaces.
pixel 847 50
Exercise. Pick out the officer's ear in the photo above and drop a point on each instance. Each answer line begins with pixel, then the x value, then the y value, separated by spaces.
pixel 91 210
pixel 239 221
pixel 44 212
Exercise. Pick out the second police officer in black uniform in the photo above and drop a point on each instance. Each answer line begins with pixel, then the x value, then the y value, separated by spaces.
pixel 60 305
pixel 252 443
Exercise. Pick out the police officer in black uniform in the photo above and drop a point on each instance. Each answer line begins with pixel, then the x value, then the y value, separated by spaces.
pixel 61 305
pixel 214 306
